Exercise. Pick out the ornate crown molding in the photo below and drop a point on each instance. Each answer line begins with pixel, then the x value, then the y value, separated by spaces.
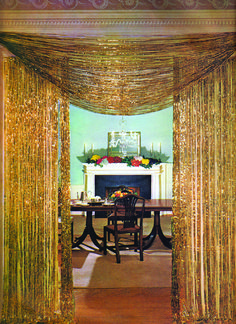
pixel 122 23
pixel 117 4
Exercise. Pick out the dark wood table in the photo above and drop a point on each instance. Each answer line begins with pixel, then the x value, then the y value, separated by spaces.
pixel 155 205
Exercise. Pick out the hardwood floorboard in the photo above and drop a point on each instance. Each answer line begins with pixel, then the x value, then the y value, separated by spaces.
pixel 123 306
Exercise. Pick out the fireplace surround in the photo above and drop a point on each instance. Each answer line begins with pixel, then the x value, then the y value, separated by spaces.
pixel 155 183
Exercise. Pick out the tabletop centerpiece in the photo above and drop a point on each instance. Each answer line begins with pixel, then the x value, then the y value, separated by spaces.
pixel 120 194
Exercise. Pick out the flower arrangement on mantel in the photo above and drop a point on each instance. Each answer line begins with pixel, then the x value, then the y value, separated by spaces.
pixel 132 161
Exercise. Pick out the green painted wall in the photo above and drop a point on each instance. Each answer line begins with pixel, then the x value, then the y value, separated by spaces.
pixel 89 129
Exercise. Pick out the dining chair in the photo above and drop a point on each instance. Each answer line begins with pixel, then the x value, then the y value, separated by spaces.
pixel 123 190
pixel 127 220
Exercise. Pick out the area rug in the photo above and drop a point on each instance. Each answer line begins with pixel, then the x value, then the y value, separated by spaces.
pixel 92 269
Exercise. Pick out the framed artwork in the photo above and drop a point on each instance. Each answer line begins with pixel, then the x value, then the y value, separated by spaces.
pixel 124 143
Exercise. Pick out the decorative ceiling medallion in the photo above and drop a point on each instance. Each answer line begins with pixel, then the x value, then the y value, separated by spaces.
pixel 8 4
pixel 190 4
pixel 116 4
pixel 159 4
pixel 99 4
pixel 40 4
pixel 130 4
pixel 220 4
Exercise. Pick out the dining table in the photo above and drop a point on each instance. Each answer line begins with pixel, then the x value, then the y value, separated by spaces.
pixel 151 205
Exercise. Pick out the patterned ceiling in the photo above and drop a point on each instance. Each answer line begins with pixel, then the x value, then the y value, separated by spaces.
pixel 117 4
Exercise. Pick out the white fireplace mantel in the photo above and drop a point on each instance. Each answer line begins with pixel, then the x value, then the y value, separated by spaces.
pixel 161 176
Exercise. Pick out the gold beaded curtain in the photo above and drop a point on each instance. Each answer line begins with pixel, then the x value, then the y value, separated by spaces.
pixel 120 76
pixel 204 247
pixel 31 273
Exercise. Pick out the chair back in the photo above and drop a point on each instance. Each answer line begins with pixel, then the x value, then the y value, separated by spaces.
pixel 126 210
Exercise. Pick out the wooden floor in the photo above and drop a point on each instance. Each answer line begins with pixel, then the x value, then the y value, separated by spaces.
pixel 122 306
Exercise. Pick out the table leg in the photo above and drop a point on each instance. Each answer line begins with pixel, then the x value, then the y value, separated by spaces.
pixel 89 230
pixel 149 239
pixel 165 240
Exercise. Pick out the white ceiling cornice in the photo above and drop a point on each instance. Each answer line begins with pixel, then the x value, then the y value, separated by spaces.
pixel 114 22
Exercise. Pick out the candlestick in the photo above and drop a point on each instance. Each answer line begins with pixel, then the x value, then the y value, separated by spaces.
pixel 84 148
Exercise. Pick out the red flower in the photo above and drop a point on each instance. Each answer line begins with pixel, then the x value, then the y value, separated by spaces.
pixel 110 159
pixel 117 159
pixel 135 162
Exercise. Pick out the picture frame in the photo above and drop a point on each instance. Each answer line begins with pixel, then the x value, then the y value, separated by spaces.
pixel 124 143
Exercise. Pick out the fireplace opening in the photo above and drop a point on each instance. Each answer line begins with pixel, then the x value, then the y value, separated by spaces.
pixel 141 184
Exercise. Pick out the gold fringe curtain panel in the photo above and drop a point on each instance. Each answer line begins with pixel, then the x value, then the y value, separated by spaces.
pixel 204 247
pixel 120 76
pixel 66 245
pixel 31 273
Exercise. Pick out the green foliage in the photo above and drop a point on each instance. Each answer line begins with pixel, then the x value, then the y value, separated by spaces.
pixel 154 158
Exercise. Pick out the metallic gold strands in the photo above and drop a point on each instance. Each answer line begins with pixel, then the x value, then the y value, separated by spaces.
pixel 66 247
pixel 31 276
pixel 204 249
pixel 121 75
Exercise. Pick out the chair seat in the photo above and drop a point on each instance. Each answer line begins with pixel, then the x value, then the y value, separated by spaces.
pixel 120 217
pixel 121 229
